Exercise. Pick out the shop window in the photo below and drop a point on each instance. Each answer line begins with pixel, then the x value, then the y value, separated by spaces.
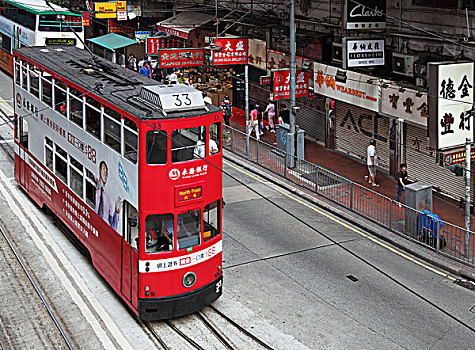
pixel 60 97
pixel 47 88
pixel 60 164
pixel 93 117
pixel 189 229
pixel 188 144
pixel 159 231
pixel 214 138
pixel 211 220
pixel 75 106
pixel 156 147
pixel 112 132
pixel 75 176
pixel 130 141
pixel 90 189
pixel 34 81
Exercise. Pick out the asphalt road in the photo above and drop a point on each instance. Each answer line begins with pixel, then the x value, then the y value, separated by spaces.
pixel 284 281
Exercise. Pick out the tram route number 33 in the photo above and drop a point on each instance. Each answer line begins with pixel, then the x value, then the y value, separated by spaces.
pixel 183 100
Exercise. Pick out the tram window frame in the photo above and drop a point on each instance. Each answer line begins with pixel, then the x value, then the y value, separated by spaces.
pixel 184 148
pixel 93 116
pixel 76 99
pixel 46 79
pixel 24 75
pixel 213 231
pixel 216 137
pixel 49 154
pixel 161 237
pixel 61 157
pixel 62 105
pixel 90 188
pixel 160 157
pixel 110 136
pixel 34 80
pixel 17 71
pixel 76 168
pixel 130 141
pixel 188 239
pixel 6 43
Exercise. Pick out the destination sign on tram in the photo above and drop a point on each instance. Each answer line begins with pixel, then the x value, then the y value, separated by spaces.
pixel 61 41
pixel 190 193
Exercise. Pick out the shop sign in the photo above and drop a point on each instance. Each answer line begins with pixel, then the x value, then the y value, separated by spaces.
pixel 105 9
pixel 257 53
pixel 364 14
pixel 181 58
pixel 142 35
pixel 265 80
pixel 86 19
pixel 116 27
pixel 364 52
pixel 159 43
pixel 280 60
pixel 408 105
pixel 233 51
pixel 457 157
pixel 451 103
pixel 281 84
pixel 353 88
pixel 121 10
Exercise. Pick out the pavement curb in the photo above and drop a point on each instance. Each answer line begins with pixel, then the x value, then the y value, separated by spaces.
pixel 402 242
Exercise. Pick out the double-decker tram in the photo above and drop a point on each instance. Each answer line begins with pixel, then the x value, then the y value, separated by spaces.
pixel 36 23
pixel 132 168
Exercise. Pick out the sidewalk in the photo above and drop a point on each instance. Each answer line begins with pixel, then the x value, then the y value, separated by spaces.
pixel 448 210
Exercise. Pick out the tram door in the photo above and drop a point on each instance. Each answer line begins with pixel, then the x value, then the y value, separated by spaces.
pixel 23 139
pixel 130 256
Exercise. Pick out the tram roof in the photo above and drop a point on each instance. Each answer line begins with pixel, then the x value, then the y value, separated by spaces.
pixel 120 86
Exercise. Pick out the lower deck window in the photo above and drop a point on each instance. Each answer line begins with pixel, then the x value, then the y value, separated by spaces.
pixel 159 231
pixel 189 229
pixel 211 220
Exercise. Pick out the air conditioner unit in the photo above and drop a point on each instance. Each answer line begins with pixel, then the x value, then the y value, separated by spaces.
pixel 337 52
pixel 404 64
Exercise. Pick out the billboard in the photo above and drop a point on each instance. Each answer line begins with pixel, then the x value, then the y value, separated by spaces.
pixel 172 58
pixel 364 14
pixel 233 51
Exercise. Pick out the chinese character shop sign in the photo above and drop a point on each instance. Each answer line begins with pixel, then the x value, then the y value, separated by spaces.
pixel 233 51
pixel 450 103
pixel 181 58
pixel 281 84
pixel 154 44
pixel 364 52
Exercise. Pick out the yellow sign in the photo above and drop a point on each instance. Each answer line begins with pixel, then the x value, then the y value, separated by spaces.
pixel 121 6
pixel 105 9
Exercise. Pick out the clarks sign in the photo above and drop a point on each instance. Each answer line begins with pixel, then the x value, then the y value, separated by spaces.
pixel 365 14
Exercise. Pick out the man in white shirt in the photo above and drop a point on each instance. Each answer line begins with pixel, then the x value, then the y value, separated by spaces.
pixel 372 162
pixel 173 78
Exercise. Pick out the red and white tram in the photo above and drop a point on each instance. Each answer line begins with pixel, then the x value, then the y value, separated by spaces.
pixel 131 167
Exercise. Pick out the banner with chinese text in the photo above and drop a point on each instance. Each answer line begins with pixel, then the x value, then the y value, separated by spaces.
pixel 160 43
pixel 233 51
pixel 185 57
pixel 281 84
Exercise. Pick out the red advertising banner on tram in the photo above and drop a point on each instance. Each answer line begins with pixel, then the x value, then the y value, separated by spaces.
pixel 173 58
pixel 156 44
pixel 281 84
pixel 233 51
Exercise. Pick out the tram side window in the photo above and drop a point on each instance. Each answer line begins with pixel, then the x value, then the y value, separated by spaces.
pixel 6 43
pixel 189 229
pixel 188 144
pixel 93 117
pixel 156 147
pixel 75 106
pixel 159 230
pixel 61 164
pixel 46 88
pixel 75 176
pixel 49 153
pixel 60 97
pixel 17 71
pixel 24 75
pixel 214 138
pixel 34 81
pixel 130 140
pixel 90 189
pixel 211 220
pixel 112 120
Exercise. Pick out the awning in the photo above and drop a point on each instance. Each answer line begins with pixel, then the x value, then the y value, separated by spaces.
pixel 182 24
pixel 112 41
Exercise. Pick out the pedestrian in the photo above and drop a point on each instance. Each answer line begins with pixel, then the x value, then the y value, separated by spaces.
pixel 141 63
pixel 227 108
pixel 254 124
pixel 206 98
pixel 401 182
pixel 260 114
pixel 132 62
pixel 284 115
pixel 173 78
pixel 146 71
pixel 270 111
pixel 157 74
pixel 372 162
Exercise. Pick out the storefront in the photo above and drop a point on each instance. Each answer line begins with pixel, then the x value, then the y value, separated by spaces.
pixel 113 47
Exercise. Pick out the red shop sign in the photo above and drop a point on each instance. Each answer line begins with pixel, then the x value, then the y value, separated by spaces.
pixel 156 44
pixel 281 84
pixel 233 51
pixel 265 80
pixel 181 58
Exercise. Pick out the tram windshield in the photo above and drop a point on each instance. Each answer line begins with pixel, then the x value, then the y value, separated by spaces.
pixel 188 144
pixel 189 229
pixel 159 233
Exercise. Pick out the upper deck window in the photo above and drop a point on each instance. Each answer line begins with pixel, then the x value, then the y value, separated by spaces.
pixel 47 88
pixel 34 81
pixel 60 23
pixel 112 125
pixel 75 106
pixel 130 140
pixel 214 138
pixel 93 117
pixel 60 93
pixel 156 147
pixel 20 16
pixel 188 144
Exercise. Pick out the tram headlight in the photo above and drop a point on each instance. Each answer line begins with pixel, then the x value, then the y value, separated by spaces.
pixel 189 279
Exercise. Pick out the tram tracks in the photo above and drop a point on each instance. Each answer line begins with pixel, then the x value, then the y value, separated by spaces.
pixel 209 317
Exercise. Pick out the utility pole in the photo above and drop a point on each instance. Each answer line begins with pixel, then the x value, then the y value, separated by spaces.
pixel 468 161
pixel 216 14
pixel 291 135
pixel 246 106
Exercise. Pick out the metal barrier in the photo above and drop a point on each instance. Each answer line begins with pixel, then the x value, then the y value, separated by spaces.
pixel 444 237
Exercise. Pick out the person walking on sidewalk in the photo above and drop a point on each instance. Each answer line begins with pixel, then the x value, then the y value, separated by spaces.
pixel 284 115
pixel 372 162
pixel 254 124
pixel 270 111
pixel 401 181
pixel 227 108
pixel 260 114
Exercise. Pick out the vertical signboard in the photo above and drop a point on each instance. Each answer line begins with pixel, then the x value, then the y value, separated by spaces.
pixel 281 84
pixel 233 51
pixel 364 14
pixel 450 103
pixel 121 10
